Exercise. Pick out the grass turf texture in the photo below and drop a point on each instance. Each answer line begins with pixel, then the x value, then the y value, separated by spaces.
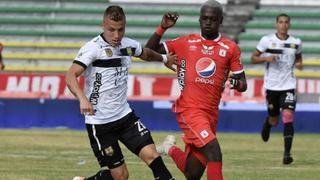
pixel 51 154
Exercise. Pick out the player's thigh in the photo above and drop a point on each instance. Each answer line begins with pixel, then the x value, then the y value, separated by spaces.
pixel 198 127
pixel 273 102
pixel 105 146
pixel 288 100
pixel 135 135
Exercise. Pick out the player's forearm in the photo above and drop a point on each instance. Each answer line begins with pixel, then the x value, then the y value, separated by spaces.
pixel 257 59
pixel 150 55
pixel 73 85
pixel 154 42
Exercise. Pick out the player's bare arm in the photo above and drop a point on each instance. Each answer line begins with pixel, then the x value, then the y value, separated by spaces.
pixel 298 62
pixel 1 62
pixel 71 79
pixel 238 82
pixel 169 60
pixel 169 19
pixel 257 59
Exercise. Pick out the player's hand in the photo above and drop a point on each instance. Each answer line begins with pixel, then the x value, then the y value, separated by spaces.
pixel 86 107
pixel 271 59
pixel 169 19
pixel 172 60
pixel 299 65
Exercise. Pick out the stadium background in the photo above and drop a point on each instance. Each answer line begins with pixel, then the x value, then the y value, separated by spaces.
pixel 41 38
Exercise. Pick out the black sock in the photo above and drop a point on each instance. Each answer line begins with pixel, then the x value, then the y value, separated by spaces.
pixel 101 175
pixel 159 170
pixel 288 133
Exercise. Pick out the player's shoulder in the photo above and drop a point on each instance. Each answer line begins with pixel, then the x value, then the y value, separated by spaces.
pixel 190 38
pixel 294 39
pixel 227 43
pixel 93 43
pixel 129 42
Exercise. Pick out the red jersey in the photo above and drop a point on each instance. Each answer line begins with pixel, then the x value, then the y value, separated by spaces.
pixel 203 69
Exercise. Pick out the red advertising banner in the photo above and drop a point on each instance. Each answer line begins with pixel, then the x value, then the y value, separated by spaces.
pixel 35 85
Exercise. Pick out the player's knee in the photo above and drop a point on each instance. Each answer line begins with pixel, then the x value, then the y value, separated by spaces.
pixel 287 116
pixel 193 174
pixel 120 173
pixel 212 151
pixel 274 120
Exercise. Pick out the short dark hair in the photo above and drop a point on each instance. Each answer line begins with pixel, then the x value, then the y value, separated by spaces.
pixel 283 15
pixel 212 4
pixel 115 13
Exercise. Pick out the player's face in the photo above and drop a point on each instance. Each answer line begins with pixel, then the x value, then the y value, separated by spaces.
pixel 113 31
pixel 210 22
pixel 283 25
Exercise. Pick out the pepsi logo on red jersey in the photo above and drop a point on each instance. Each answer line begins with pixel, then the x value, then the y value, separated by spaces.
pixel 205 67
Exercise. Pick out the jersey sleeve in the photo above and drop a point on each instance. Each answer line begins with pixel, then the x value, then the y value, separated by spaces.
pixel 235 64
pixel 86 55
pixel 171 45
pixel 263 44
pixel 138 49
pixel 299 50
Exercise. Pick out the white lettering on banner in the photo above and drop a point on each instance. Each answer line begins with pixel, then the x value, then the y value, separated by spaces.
pixel 175 89
pixel 318 86
pixel 311 88
pixel 14 86
pixel 35 85
pixel 130 90
pixel 249 93
pixel 301 86
pixel 146 84
pixel 51 84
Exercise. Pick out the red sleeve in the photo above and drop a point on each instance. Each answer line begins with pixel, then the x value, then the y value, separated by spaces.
pixel 235 62
pixel 171 45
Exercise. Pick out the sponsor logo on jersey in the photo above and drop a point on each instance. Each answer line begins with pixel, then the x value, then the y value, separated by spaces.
pixel 204 134
pixel 192 48
pixel 95 91
pixel 205 67
pixel 108 52
pixel 194 41
pixel 207 50
pixel 181 74
pixel 109 151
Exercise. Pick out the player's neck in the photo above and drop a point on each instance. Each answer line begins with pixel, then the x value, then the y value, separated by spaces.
pixel 211 36
pixel 282 36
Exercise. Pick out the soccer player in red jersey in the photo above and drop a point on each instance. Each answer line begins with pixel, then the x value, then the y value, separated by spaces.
pixel 205 61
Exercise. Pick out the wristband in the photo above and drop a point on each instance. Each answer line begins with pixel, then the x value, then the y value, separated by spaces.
pixel 164 58
pixel 160 30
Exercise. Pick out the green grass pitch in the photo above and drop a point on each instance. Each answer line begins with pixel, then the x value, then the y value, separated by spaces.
pixel 51 154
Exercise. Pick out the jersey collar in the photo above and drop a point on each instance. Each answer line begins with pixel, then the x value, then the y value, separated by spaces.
pixel 215 40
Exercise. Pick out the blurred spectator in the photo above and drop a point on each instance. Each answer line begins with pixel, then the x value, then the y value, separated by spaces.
pixel 1 61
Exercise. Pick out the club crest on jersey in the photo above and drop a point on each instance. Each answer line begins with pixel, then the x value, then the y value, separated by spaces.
pixel 109 151
pixel 207 50
pixel 205 67
pixel 222 52
pixel 108 52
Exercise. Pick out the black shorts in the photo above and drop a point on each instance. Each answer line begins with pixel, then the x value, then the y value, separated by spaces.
pixel 104 139
pixel 277 100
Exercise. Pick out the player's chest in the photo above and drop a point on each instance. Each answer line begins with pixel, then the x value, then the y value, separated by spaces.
pixel 205 56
